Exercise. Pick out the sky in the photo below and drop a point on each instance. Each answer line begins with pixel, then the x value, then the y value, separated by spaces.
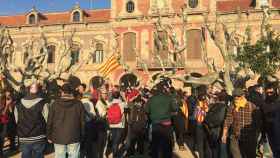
pixel 13 7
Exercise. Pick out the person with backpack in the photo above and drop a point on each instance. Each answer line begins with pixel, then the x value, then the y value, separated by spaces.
pixel 137 121
pixel 31 115
pixel 116 120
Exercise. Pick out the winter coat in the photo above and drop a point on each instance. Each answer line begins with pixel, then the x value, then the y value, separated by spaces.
pixel 66 121
pixel 31 115
pixel 160 108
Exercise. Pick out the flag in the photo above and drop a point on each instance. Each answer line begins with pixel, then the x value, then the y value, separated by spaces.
pixel 109 65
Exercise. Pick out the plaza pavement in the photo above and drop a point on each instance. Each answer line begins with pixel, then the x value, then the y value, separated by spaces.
pixel 177 154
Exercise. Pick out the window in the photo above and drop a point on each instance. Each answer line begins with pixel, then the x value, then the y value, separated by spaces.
pixel 193 3
pixel 8 54
pixel 99 53
pixel 51 54
pixel 25 57
pixel 32 19
pixel 130 7
pixel 194 44
pixel 75 53
pixel 264 3
pixel 163 37
pixel 129 46
pixel 76 16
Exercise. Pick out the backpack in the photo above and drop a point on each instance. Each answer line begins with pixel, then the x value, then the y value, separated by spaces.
pixel 114 114
pixel 138 118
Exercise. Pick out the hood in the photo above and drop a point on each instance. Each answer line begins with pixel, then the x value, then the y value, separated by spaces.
pixel 116 101
pixel 28 103
pixel 67 102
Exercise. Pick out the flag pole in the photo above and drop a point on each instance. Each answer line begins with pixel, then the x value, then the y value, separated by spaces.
pixel 91 3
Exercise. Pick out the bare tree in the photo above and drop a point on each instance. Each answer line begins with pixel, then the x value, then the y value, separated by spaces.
pixel 36 67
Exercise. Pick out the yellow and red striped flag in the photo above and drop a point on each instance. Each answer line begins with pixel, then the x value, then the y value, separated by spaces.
pixel 109 65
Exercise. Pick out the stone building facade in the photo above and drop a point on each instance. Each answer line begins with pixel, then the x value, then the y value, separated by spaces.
pixel 134 22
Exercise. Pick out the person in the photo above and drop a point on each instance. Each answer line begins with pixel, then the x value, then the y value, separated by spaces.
pixel 31 115
pixel 80 90
pixel 160 108
pixel 244 117
pixel 86 146
pixel 202 148
pixel 137 121
pixel 271 110
pixel 213 123
pixel 3 122
pixel 178 120
pixel 116 120
pixel 11 126
pixel 65 127
pixel 100 124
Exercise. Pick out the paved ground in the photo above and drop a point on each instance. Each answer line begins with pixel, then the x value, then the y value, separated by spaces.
pixel 177 154
pixel 184 154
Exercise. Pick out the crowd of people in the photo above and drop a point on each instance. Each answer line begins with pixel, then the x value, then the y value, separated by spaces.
pixel 92 122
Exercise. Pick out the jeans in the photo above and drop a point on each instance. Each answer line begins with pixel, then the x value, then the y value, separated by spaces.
pixel 179 128
pixel 33 150
pixel 73 150
pixel 3 132
pixel 161 141
pixel 223 151
pixel 136 138
pixel 201 142
pixel 116 141
pixel 243 149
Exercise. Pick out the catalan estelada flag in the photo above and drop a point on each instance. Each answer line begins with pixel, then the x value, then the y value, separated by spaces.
pixel 109 65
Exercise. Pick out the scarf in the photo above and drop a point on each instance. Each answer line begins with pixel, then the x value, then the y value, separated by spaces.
pixel 201 110
pixel 240 103
pixel 203 105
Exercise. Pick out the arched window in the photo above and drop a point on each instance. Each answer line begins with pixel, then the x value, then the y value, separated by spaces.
pixel 129 46
pixel 194 44
pixel 193 3
pixel 130 6
pixel 32 19
pixel 99 53
pixel 51 54
pixel 76 16
pixel 75 53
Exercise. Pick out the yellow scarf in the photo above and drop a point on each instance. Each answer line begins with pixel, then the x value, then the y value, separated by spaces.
pixel 240 103
pixel 184 109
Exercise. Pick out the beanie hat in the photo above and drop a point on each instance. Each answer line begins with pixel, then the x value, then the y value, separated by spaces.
pixel 131 95
pixel 67 88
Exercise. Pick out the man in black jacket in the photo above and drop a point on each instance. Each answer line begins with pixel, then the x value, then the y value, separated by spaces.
pixel 65 124
pixel 31 114
pixel 271 114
